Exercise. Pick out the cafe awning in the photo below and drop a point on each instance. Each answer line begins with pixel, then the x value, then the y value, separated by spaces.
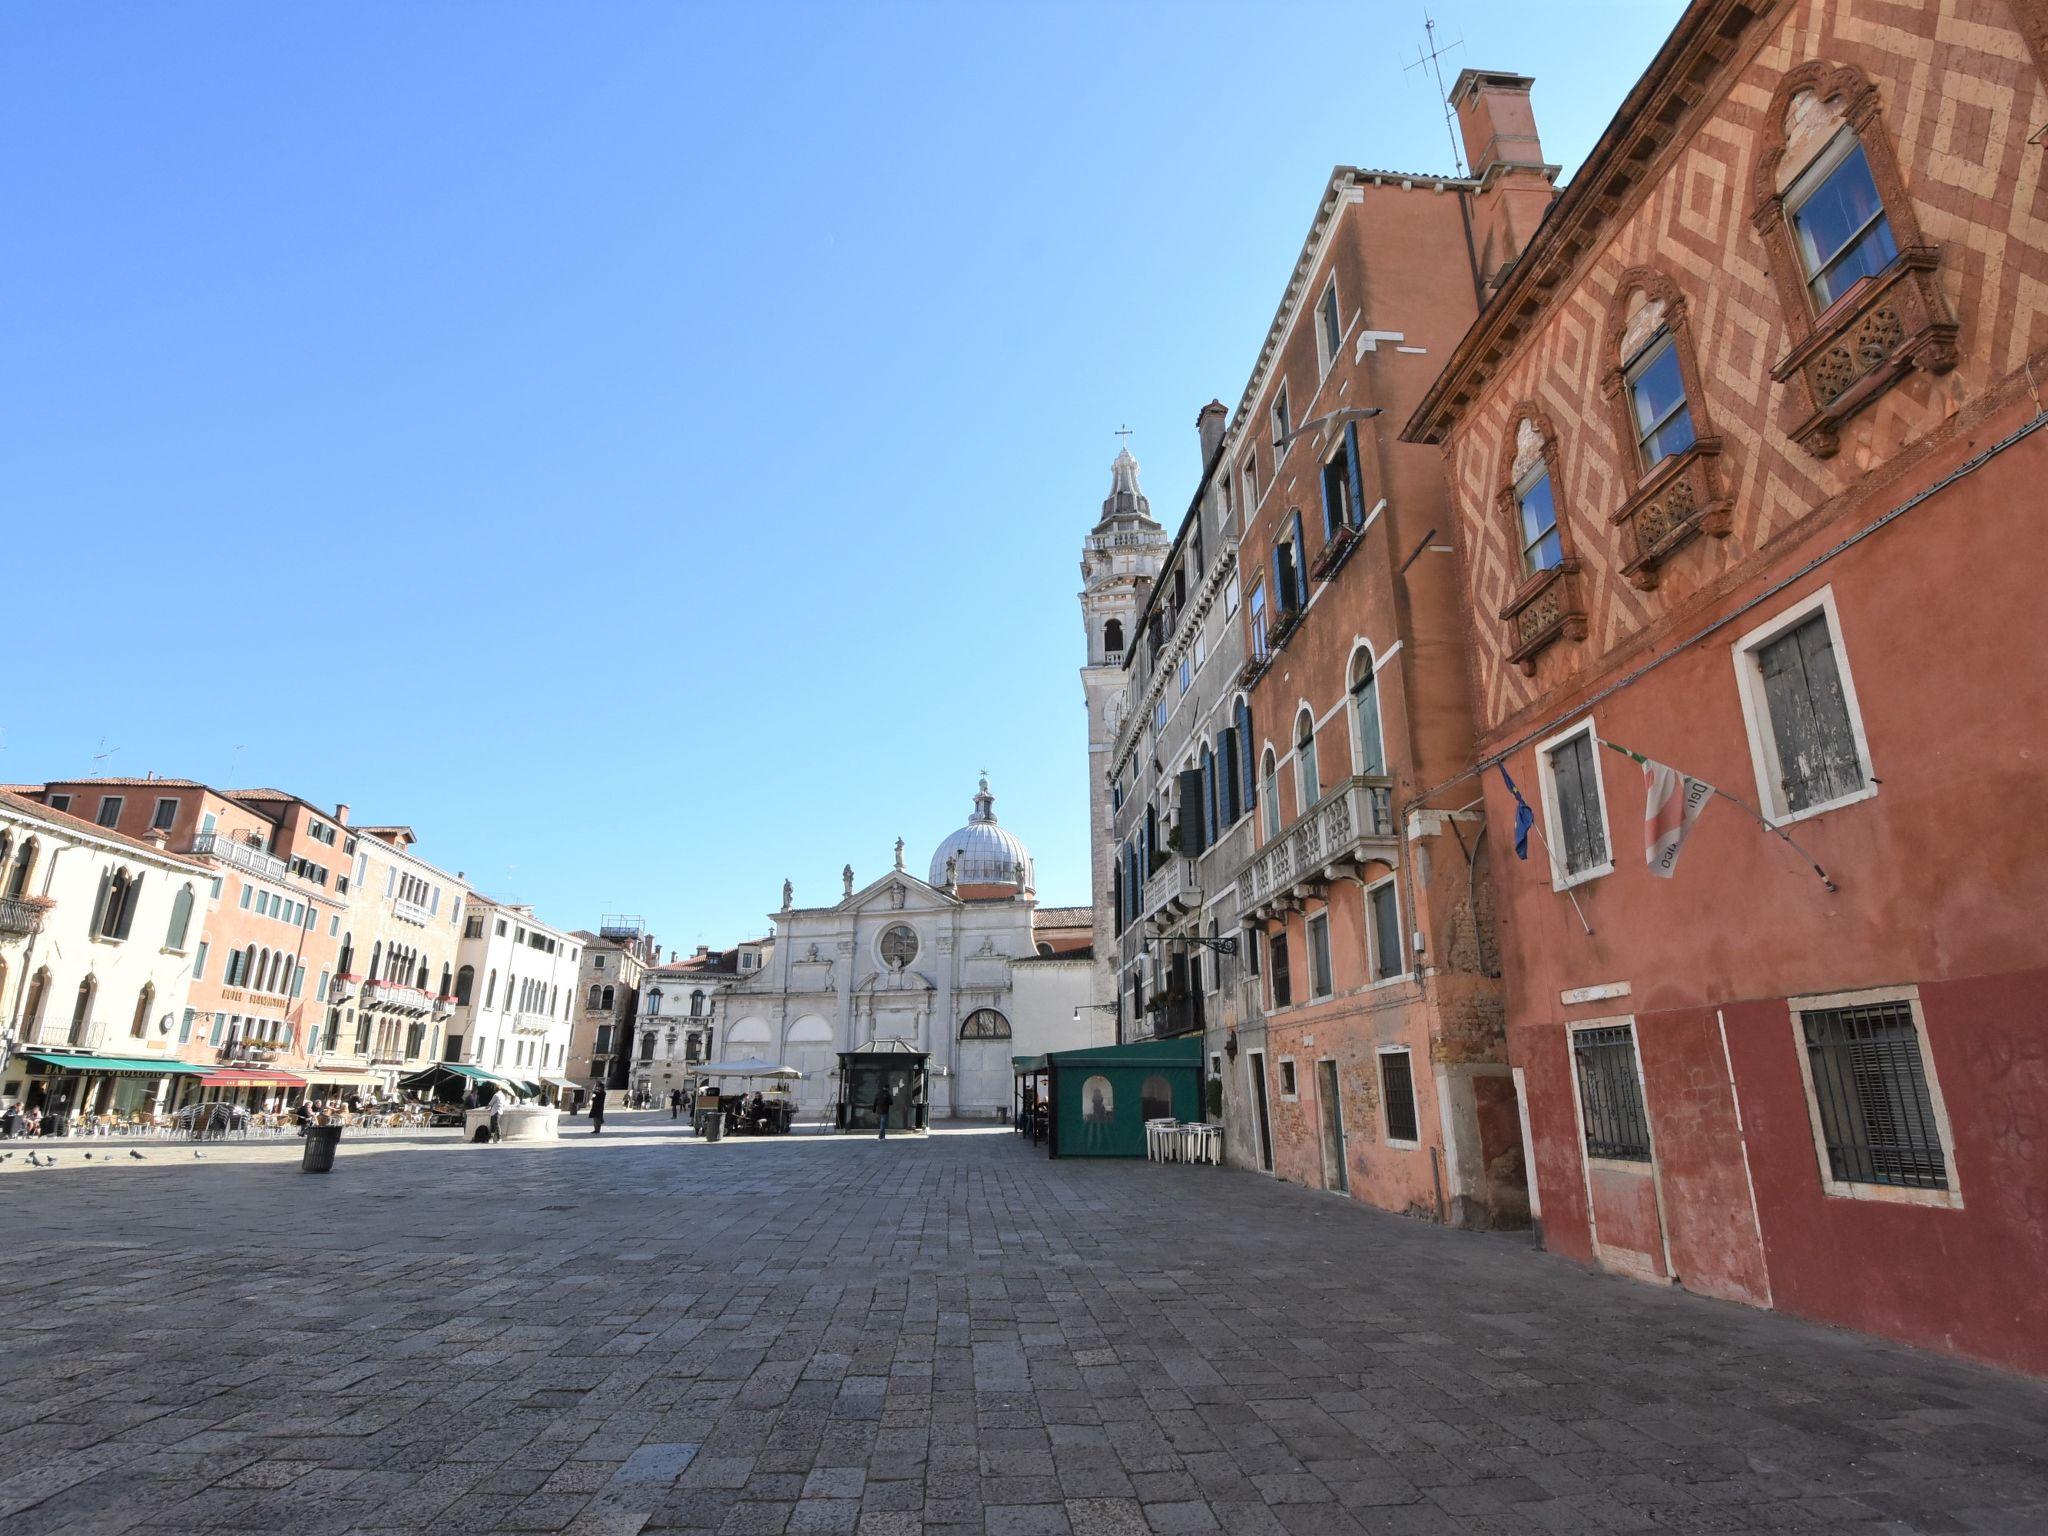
pixel 87 1061
pixel 250 1077
pixel 746 1066
pixel 345 1077
pixel 559 1082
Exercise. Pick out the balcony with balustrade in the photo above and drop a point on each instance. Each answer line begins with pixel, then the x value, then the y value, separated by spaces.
pixel 396 997
pixel 244 856
pixel 66 1034
pixel 1352 824
pixel 531 1024
pixel 1173 891
pixel 406 910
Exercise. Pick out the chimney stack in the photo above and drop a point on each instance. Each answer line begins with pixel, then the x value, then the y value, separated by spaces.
pixel 1211 422
pixel 341 813
pixel 1498 124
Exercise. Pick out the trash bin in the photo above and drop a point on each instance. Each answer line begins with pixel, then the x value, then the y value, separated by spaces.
pixel 714 1125
pixel 321 1140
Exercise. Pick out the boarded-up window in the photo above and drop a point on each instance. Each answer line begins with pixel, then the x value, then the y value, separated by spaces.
pixel 1870 1087
pixel 1581 833
pixel 1816 746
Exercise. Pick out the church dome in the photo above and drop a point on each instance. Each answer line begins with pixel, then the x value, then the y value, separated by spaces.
pixel 982 852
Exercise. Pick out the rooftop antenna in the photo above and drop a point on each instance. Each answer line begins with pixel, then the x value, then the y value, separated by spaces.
pixel 1430 57
pixel 104 752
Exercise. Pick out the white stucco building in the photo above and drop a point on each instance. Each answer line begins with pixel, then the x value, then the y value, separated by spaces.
pixel 963 964
pixel 97 936
pixel 518 976
pixel 681 1010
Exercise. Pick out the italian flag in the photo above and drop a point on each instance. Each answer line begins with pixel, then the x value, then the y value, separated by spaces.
pixel 1672 802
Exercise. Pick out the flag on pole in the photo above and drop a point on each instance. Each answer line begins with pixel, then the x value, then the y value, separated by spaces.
pixel 1524 817
pixel 1672 802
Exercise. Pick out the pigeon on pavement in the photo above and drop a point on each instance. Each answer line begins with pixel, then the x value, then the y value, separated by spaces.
pixel 136 1155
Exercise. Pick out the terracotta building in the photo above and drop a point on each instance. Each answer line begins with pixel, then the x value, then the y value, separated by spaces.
pixel 1747 469
pixel 1380 1068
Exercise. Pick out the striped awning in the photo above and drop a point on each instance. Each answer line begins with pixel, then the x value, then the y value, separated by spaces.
pixel 251 1077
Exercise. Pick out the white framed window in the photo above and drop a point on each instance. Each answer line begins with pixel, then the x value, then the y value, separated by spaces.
pixel 1269 793
pixel 110 810
pixel 1607 1084
pixel 1574 807
pixel 1799 706
pixel 1280 418
pixel 1880 1128
pixel 1261 647
pixel 1230 599
pixel 1368 746
pixel 1184 675
pixel 165 814
pixel 1319 954
pixel 1383 915
pixel 1248 486
pixel 1329 325
pixel 1308 783
pixel 1159 714
pixel 1290 1090
pixel 1400 1125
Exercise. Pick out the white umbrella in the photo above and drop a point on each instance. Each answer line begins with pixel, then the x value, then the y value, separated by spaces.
pixel 746 1066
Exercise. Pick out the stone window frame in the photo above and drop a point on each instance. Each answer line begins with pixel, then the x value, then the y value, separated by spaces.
pixel 1844 357
pixel 1682 494
pixel 1545 606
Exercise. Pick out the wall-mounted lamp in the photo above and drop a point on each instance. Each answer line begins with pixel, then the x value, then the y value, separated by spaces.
pixel 1094 1008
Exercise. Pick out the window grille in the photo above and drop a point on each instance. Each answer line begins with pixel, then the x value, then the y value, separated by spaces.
pixel 1870 1086
pixel 1397 1093
pixel 1611 1094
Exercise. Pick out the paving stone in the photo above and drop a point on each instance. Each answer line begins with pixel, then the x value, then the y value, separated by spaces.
pixel 942 1335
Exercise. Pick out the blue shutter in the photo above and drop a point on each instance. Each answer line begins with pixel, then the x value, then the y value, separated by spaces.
pixel 1357 474
pixel 1251 766
pixel 1329 512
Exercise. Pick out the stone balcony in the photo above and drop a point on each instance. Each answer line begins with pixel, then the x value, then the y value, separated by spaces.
pixel 1352 823
pixel 444 1005
pixel 1173 891
pixel 531 1024
pixel 396 997
pixel 244 856
pixel 87 1035
pixel 408 911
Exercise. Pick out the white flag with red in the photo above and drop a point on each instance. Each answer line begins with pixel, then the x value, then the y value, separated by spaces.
pixel 1672 802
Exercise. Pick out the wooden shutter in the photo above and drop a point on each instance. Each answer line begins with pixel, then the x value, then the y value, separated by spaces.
pixel 181 917
pixel 1810 727
pixel 1250 749
pixel 1329 512
pixel 1357 473
pixel 1191 842
pixel 1578 805
pixel 99 906
pixel 1229 798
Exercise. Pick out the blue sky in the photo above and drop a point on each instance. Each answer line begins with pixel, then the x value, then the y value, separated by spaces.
pixel 645 447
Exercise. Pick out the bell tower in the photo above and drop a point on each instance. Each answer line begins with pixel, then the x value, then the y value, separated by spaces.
pixel 1120 559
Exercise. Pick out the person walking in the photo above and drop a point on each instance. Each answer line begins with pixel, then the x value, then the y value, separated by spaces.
pixel 499 1104
pixel 596 1108
pixel 675 1103
pixel 884 1102
pixel 469 1099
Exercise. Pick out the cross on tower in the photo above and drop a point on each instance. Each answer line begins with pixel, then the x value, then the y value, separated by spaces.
pixel 1123 432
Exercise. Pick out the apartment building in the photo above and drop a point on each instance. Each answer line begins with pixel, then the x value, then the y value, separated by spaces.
pixel 514 995
pixel 98 934
pixel 614 965
pixel 1746 454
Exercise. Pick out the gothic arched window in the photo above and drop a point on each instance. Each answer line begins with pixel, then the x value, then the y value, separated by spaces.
pixel 1368 753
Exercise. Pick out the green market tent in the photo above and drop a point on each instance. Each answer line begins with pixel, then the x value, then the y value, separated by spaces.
pixel 451 1079
pixel 1102 1097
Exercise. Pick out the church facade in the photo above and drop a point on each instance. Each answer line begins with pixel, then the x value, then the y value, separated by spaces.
pixel 962 964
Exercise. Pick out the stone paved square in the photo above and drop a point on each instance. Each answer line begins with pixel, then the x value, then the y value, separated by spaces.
pixel 646 1333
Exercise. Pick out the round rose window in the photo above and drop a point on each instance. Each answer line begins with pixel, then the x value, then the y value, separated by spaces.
pixel 899 946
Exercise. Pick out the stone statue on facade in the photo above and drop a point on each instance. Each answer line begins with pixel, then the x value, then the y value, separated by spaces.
pixel 788 895
pixel 846 878
pixel 899 853
pixel 952 870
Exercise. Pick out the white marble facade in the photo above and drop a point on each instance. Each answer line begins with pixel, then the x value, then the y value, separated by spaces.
pixel 921 961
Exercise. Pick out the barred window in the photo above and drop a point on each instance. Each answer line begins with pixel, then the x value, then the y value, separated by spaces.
pixel 1611 1094
pixel 1397 1094
pixel 1870 1088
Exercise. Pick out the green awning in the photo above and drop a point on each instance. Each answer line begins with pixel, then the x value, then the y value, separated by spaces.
pixel 453 1068
pixel 86 1061
pixel 1026 1066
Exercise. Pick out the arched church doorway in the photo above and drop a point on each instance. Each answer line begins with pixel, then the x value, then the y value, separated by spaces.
pixel 985 1075
pixel 809 1050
